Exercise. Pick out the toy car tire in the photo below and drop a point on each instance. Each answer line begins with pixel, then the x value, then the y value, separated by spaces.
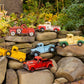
pixel 20 60
pixel 63 45
pixel 57 43
pixel 32 69
pixel 55 30
pixel 52 49
pixel 19 31
pixel 79 43
pixel 42 29
pixel 12 33
pixel 31 34
pixel 36 53
pixel 8 53
pixel 49 66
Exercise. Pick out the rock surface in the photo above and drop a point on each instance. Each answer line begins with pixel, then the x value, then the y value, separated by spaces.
pixel 15 64
pixel 20 38
pixel 71 51
pixel 60 80
pixel 46 55
pixel 37 77
pixel 3 65
pixel 70 68
pixel 46 36
pixel 54 68
pixel 11 77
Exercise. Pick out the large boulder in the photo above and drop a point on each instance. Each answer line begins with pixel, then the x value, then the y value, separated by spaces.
pixel 37 77
pixel 54 68
pixel 46 55
pixel 60 80
pixel 20 38
pixel 13 64
pixel 3 65
pixel 71 51
pixel 70 68
pixel 46 36
pixel 11 77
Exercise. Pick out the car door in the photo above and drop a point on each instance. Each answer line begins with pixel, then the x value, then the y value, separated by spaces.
pixel 41 48
pixel 39 64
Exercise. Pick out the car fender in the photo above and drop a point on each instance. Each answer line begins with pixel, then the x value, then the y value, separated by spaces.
pixel 49 64
pixel 60 43
pixel 39 27
pixel 56 28
pixel 12 30
pixel 80 41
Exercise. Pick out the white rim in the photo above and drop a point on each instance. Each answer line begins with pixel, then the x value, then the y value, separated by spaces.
pixel 42 29
pixel 18 31
pixel 55 30
pixel 12 33
pixel 31 33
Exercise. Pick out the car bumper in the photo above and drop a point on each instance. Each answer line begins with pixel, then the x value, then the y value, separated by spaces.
pixel 25 67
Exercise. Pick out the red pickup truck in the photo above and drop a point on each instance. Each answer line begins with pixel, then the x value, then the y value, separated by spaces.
pixel 23 29
pixel 37 63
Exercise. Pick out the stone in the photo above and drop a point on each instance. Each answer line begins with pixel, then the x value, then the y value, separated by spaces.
pixel 36 77
pixel 60 80
pixel 70 68
pixel 7 44
pixel 57 58
pixel 11 77
pixel 2 40
pixel 46 36
pixel 25 45
pixel 20 38
pixel 13 64
pixel 62 34
pixel 3 65
pixel 54 68
pixel 45 42
pixel 46 55
pixel 16 6
pixel 77 51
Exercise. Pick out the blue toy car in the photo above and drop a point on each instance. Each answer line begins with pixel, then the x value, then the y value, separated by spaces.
pixel 40 48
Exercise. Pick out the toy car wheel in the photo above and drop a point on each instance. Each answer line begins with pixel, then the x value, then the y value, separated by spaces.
pixel 63 45
pixel 12 33
pixel 42 29
pixel 52 49
pixel 8 53
pixel 55 30
pixel 80 44
pixel 21 60
pixel 36 53
pixel 32 69
pixel 49 66
pixel 31 34
pixel 18 31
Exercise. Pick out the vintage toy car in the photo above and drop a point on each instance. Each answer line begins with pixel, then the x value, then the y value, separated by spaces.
pixel 14 54
pixel 40 48
pixel 37 63
pixel 21 30
pixel 47 26
pixel 71 40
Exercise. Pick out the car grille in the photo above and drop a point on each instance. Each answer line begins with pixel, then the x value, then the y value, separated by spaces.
pixel 25 66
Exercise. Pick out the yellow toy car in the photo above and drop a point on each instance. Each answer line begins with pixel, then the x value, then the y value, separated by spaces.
pixel 71 40
pixel 14 54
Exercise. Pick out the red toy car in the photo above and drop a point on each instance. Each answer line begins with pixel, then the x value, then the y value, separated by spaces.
pixel 37 63
pixel 21 30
